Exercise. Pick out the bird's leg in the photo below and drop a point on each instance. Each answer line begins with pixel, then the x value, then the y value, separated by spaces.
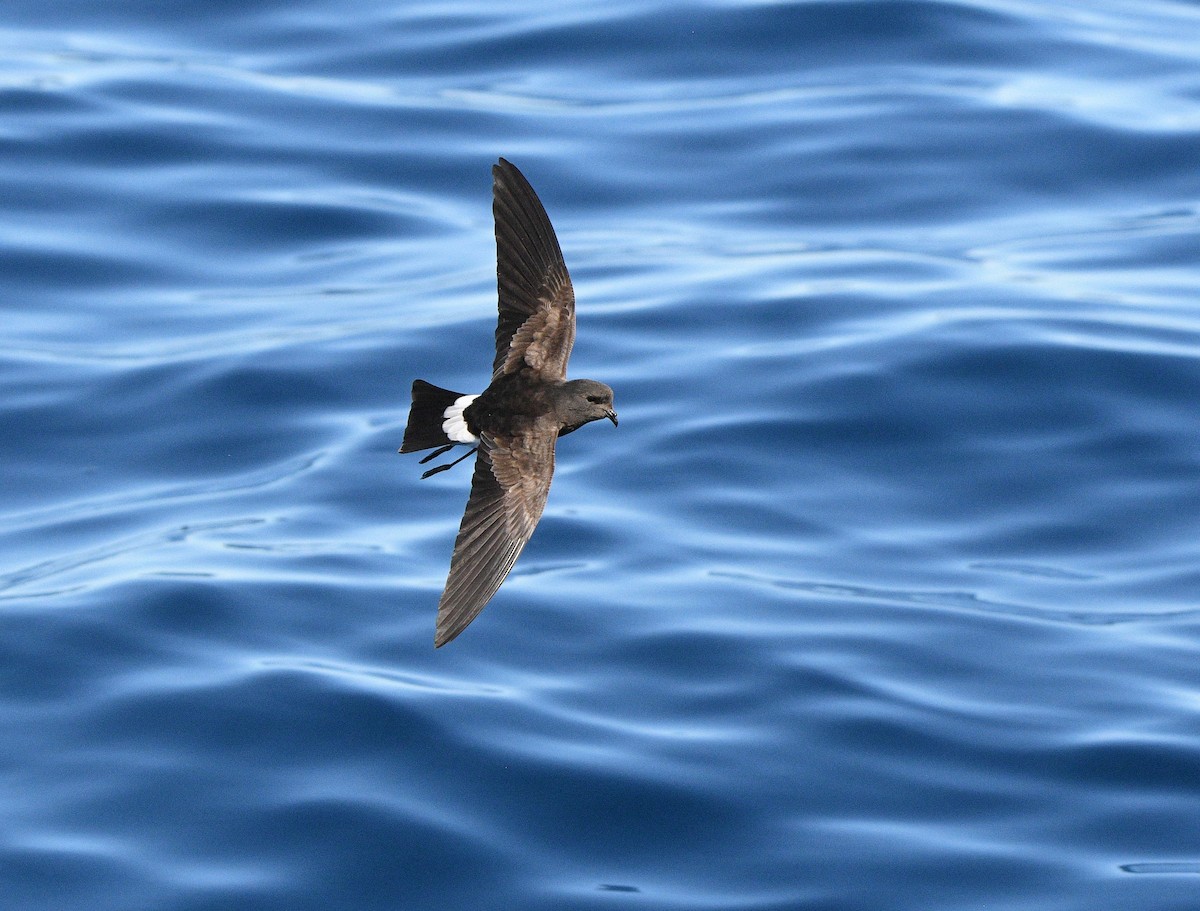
pixel 449 465
pixel 437 452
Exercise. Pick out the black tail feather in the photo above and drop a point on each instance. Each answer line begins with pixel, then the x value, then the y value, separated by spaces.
pixel 425 417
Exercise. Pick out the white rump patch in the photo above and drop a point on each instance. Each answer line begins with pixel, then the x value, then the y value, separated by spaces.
pixel 455 425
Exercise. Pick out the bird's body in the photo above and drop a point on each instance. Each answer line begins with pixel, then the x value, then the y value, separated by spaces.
pixel 515 422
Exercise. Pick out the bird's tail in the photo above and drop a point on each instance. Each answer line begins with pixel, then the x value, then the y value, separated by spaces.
pixel 425 417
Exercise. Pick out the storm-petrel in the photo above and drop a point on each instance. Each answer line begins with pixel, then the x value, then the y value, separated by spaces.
pixel 515 422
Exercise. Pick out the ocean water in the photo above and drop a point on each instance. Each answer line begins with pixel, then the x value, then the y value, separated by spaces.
pixel 885 595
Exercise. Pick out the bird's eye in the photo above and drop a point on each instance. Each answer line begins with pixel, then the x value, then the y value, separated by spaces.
pixel 595 399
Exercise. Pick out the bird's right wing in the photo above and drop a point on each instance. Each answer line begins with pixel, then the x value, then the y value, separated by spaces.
pixel 508 493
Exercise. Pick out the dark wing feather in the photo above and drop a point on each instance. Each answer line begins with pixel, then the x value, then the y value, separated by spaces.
pixel 536 328
pixel 508 494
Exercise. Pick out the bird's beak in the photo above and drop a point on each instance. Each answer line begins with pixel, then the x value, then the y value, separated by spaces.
pixel 612 416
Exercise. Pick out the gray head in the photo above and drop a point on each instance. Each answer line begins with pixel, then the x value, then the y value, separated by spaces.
pixel 583 401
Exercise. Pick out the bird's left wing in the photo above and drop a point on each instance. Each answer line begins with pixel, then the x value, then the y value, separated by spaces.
pixel 536 325
pixel 508 493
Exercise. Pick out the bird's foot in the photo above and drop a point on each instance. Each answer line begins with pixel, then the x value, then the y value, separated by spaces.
pixel 448 465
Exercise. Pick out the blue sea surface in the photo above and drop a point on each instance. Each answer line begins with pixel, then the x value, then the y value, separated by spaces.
pixel 885 595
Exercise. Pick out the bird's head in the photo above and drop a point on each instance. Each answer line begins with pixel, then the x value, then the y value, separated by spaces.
pixel 584 401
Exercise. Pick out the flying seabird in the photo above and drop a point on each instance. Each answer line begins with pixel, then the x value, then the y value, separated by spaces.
pixel 514 423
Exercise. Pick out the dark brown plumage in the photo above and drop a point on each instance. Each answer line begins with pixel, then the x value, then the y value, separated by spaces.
pixel 515 422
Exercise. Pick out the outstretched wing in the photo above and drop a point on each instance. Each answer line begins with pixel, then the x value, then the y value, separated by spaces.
pixel 536 328
pixel 508 494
